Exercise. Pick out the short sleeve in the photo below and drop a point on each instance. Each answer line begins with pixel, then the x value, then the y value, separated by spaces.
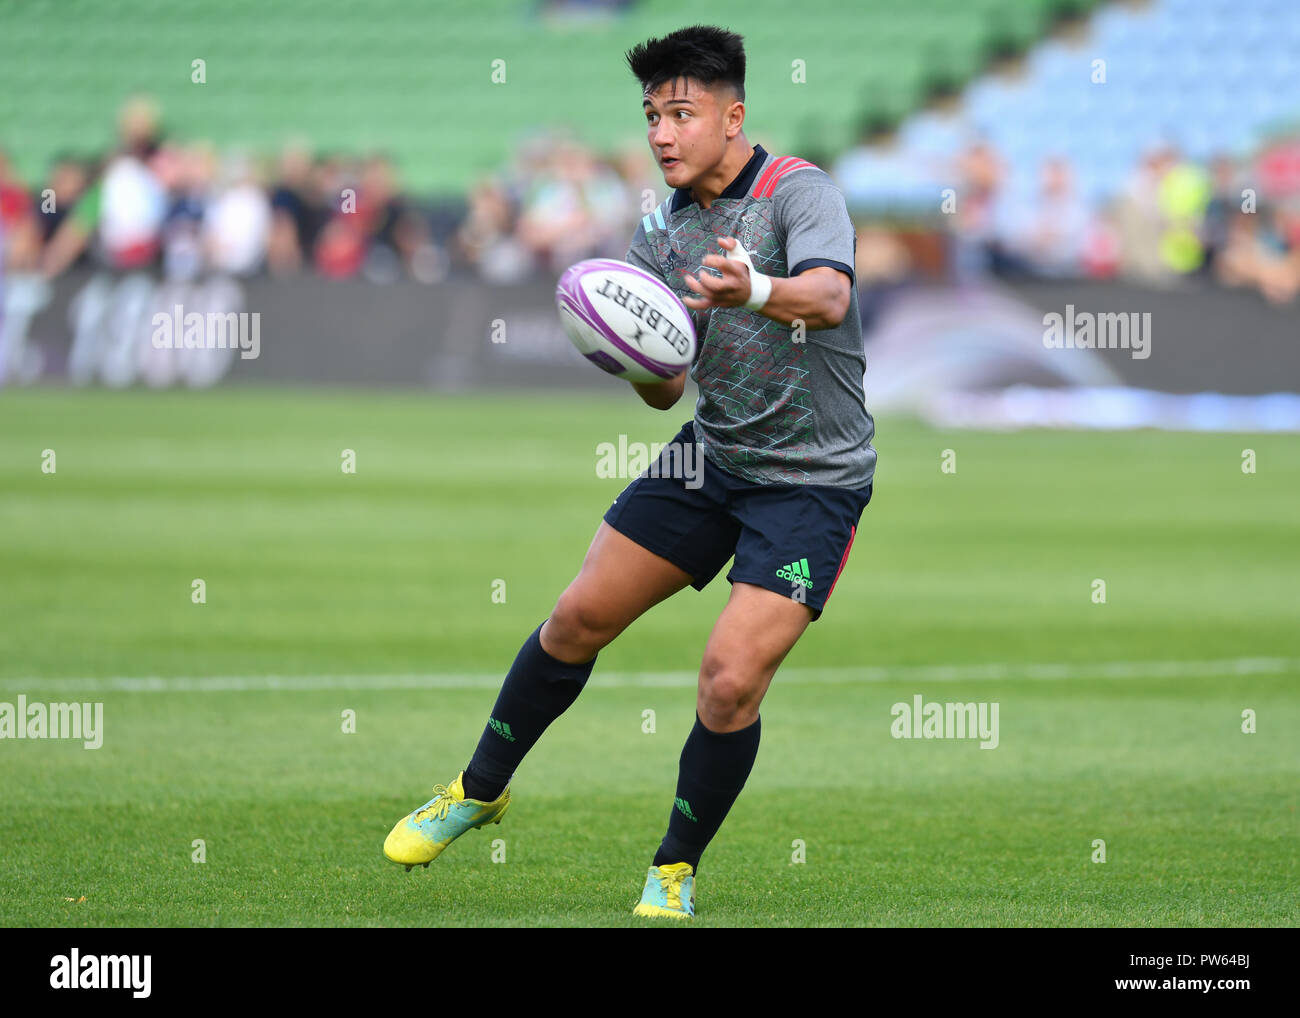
pixel 818 230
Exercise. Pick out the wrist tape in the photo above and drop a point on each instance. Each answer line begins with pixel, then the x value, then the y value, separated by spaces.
pixel 760 286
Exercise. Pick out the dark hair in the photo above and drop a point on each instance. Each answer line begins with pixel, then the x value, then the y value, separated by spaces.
pixel 703 52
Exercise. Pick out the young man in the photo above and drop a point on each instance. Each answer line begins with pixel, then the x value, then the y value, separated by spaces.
pixel 788 461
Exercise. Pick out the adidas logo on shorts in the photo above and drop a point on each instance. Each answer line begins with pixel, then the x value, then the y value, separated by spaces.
pixel 797 572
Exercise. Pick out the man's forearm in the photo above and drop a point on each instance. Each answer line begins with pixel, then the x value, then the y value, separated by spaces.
pixel 661 395
pixel 815 298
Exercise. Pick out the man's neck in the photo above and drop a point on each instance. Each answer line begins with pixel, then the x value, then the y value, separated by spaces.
pixel 739 152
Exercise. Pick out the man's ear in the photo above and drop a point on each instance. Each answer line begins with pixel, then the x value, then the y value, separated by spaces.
pixel 735 117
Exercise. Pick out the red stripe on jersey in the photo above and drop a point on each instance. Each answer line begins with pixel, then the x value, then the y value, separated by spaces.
pixel 767 174
pixel 765 190
pixel 842 561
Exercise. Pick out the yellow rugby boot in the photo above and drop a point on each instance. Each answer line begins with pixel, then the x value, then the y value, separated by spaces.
pixel 419 838
pixel 669 892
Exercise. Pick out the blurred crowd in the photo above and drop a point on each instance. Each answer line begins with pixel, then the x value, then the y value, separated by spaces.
pixel 186 209
pixel 557 203
pixel 1234 221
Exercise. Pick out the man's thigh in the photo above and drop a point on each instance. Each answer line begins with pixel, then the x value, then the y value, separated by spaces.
pixel 795 539
pixel 619 581
pixel 662 533
pixel 752 636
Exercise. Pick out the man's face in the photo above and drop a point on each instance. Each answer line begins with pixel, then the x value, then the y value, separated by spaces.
pixel 685 124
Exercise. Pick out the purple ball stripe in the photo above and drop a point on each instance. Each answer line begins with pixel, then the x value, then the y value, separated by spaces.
pixel 605 362
pixel 570 304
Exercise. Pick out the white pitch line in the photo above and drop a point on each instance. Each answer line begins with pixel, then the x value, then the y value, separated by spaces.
pixel 786 677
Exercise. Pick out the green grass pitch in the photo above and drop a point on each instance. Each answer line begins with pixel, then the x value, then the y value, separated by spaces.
pixel 373 592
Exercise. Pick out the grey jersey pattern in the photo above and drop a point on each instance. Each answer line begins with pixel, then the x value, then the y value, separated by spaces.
pixel 774 407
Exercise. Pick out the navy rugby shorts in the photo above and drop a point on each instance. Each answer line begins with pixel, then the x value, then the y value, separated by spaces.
pixel 793 539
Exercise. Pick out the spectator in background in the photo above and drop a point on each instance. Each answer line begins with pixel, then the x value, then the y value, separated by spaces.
pixel 883 265
pixel 980 173
pixel 340 248
pixel 188 176
pixel 1048 236
pixel 296 212
pixel 1224 205
pixel 237 222
pixel 1285 231
pixel 1263 252
pixel 396 235
pixel 124 208
pixel 572 209
pixel 21 245
pixel 1184 193
pixel 68 180
pixel 1141 222
pixel 486 237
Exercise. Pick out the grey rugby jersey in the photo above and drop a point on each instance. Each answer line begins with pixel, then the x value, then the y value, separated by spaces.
pixel 771 411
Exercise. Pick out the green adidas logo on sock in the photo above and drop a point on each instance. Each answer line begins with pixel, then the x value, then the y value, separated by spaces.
pixel 501 728
pixel 684 808
pixel 797 572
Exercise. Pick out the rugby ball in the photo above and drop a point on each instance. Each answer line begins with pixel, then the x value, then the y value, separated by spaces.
pixel 625 320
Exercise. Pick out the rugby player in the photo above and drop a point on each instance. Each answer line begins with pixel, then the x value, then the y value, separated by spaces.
pixel 761 249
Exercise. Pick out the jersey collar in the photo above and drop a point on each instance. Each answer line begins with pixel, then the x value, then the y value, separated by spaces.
pixel 738 188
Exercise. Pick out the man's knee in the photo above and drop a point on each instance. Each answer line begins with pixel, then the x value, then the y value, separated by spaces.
pixel 727 693
pixel 577 628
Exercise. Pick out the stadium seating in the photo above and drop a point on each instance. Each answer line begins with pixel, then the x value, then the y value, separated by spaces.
pixel 1207 76
pixel 415 79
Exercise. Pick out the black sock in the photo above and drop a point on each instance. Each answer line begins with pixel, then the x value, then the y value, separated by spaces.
pixel 713 769
pixel 537 690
